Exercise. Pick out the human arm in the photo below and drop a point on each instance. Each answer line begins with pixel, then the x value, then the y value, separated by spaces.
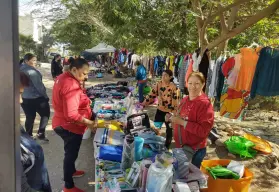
pixel 71 101
pixel 204 123
pixel 151 97
pixel 37 82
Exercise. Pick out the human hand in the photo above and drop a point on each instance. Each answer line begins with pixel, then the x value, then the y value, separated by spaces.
pixel 177 120
pixel 167 117
pixel 93 126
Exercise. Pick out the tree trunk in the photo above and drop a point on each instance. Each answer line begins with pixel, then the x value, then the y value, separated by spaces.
pixel 222 47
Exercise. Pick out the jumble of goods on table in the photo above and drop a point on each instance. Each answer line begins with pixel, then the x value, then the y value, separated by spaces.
pixel 130 155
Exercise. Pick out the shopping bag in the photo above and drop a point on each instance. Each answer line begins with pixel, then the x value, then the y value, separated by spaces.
pixel 111 153
pixel 222 173
pixel 241 146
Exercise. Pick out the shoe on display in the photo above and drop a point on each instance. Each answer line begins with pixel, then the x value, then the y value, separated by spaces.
pixel 78 174
pixel 75 189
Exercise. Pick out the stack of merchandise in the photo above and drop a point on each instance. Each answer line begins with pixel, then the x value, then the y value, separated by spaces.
pixel 135 159
pixel 112 90
pixel 130 156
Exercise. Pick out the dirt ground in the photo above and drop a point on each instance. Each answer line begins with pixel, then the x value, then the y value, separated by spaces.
pixel 261 123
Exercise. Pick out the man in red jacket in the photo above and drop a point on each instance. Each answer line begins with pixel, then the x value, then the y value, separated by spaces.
pixel 72 115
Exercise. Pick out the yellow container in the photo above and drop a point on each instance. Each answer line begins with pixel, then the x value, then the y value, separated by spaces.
pixel 114 125
pixel 226 185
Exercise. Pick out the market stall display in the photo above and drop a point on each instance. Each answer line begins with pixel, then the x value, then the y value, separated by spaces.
pixel 132 157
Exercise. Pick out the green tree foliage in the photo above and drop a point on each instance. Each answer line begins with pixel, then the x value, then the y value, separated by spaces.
pixel 78 35
pixel 26 44
pixel 165 25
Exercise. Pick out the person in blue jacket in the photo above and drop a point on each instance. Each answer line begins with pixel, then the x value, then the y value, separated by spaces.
pixel 141 78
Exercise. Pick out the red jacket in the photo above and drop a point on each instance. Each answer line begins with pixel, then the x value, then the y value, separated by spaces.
pixel 200 115
pixel 70 104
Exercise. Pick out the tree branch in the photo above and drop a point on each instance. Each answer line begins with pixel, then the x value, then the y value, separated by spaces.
pixel 233 16
pixel 224 26
pixel 248 23
pixel 236 3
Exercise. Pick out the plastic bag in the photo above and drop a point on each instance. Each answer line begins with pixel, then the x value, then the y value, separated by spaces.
pixel 220 172
pixel 159 178
pixel 241 146
pixel 147 90
pixel 111 153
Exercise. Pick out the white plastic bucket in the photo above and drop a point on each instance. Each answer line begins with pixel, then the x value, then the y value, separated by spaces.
pixel 87 134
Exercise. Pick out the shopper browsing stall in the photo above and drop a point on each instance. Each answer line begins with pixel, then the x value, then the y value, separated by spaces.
pixel 194 120
pixel 34 175
pixel 72 114
pixel 35 99
pixel 168 98
pixel 141 78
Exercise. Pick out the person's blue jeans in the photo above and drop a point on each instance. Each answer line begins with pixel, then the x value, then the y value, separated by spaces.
pixel 141 87
pixel 198 157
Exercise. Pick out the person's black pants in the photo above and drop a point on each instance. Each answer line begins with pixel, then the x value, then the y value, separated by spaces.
pixel 72 144
pixel 31 107
pixel 160 117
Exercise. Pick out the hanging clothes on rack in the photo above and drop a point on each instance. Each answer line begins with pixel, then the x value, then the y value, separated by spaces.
pixel 215 77
pixel 176 67
pixel 161 65
pixel 266 80
pixel 249 59
pixel 182 73
pixel 130 59
pixel 189 70
pixel 168 63
pixel 156 65
pixel 204 66
pixel 220 83
pixel 151 66
pixel 235 71
pixel 171 63
pixel 145 61
pixel 209 75
pixel 233 102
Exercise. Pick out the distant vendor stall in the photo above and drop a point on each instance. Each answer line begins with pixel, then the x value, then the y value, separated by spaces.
pixel 102 51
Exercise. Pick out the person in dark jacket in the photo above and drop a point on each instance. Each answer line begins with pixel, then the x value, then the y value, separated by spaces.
pixel 34 174
pixel 56 67
pixel 35 99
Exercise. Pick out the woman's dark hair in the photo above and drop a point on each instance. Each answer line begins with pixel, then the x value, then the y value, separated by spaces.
pixel 21 61
pixel 24 80
pixel 78 63
pixel 170 73
pixel 71 60
pixel 29 56
pixel 55 57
